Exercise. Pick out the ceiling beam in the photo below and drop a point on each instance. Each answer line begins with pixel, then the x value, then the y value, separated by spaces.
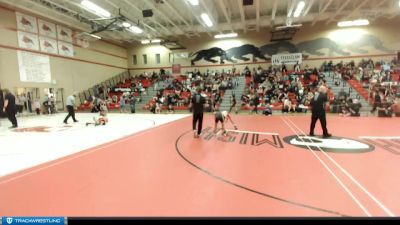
pixel 310 4
pixel 169 32
pixel 177 14
pixel 291 7
pixel 332 18
pixel 242 16
pixel 322 11
pixel 196 16
pixel 166 18
pixel 223 7
pixel 208 10
pixel 274 11
pixel 140 11
pixel 258 14
pixel 357 9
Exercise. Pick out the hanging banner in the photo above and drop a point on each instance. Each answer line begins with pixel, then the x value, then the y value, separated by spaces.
pixel 26 23
pixel 65 49
pixel 28 40
pixel 48 45
pixel 47 29
pixel 287 59
pixel 34 67
pixel 64 34
pixel 82 43
pixel 176 69
pixel 181 55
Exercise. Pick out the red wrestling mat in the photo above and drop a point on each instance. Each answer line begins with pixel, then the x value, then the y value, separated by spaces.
pixel 266 168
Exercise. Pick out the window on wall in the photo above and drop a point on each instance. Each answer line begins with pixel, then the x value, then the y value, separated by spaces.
pixel 145 59
pixel 158 58
pixel 134 60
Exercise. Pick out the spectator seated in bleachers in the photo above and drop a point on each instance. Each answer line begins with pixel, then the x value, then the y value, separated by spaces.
pixel 396 107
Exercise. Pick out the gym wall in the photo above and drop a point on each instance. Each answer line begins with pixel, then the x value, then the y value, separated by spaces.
pixel 88 66
pixel 379 40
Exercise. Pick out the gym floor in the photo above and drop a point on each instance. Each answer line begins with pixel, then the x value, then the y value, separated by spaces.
pixel 150 165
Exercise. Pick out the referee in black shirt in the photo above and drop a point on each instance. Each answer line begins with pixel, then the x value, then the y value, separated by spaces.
pixel 197 105
pixel 318 111
pixel 10 108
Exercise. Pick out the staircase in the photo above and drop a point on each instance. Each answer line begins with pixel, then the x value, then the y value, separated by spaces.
pixel 145 98
pixel 239 89
pixel 352 93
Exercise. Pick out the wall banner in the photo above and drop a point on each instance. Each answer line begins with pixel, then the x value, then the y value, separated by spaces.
pixel 286 59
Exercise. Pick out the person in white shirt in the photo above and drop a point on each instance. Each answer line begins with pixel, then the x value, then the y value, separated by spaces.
pixel 36 106
pixel 71 108
pixel 223 117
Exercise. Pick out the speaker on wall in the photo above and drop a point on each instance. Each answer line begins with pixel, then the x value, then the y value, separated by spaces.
pixel 247 2
pixel 147 13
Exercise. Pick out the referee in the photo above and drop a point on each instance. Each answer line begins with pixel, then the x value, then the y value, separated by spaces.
pixel 318 111
pixel 197 105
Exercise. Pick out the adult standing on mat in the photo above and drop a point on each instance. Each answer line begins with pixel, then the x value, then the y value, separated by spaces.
pixel 197 105
pixel 318 102
pixel 71 108
pixel 10 108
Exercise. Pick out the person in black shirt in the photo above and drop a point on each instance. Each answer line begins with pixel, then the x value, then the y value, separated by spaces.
pixel 10 108
pixel 197 105
pixel 1 104
pixel 317 103
pixel 233 104
pixel 377 101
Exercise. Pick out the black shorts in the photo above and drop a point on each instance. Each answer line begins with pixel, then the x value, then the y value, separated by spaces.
pixel 219 118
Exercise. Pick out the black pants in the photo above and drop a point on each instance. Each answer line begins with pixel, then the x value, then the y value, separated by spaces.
pixel 322 120
pixel 71 112
pixel 12 118
pixel 198 117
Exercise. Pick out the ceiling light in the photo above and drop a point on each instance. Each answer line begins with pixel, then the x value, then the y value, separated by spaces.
pixel 95 8
pixel 352 23
pixel 206 19
pixel 135 29
pixel 95 36
pixel 155 41
pixel 299 8
pixel 145 42
pixel 126 24
pixel 230 35
pixel 194 2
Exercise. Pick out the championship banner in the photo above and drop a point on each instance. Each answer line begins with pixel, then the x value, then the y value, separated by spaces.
pixel 48 45
pixel 65 49
pixel 64 34
pixel 26 23
pixel 286 59
pixel 28 40
pixel 47 29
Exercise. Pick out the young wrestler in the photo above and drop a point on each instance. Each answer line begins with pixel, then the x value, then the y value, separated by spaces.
pixel 223 117
pixel 102 120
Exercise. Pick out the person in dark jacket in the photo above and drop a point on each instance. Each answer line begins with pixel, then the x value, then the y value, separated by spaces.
pixel 197 105
pixel 2 114
pixel 10 108
pixel 318 102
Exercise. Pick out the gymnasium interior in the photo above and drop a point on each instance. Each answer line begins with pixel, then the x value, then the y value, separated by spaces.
pixel 128 72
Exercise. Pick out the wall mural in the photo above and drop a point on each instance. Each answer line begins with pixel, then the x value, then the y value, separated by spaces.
pixel 311 47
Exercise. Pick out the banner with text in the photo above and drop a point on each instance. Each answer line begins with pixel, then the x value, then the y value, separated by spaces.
pixel 34 67
pixel 287 59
